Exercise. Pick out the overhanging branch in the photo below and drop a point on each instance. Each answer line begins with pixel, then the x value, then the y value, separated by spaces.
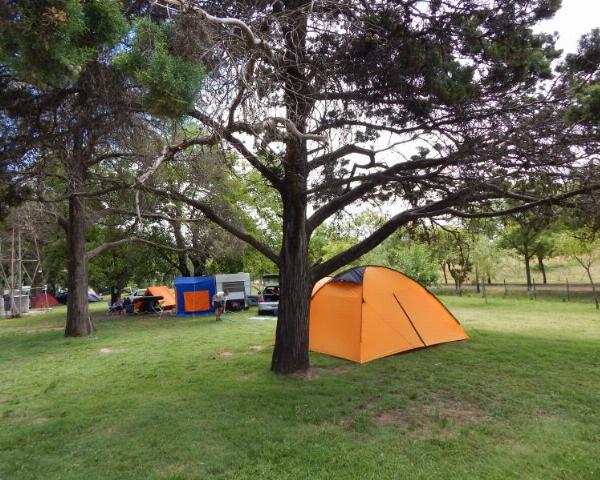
pixel 217 219
pixel 124 241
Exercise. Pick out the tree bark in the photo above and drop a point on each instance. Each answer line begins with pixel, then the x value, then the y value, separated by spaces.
pixel 542 268
pixel 445 274
pixel 295 275
pixel 295 281
pixel 594 292
pixel 180 243
pixel 79 323
pixel 291 338
pixel 527 268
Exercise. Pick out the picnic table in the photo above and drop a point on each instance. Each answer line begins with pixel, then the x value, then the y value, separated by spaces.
pixel 147 303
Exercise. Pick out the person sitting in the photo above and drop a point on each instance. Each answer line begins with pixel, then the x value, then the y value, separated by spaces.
pixel 116 305
pixel 128 306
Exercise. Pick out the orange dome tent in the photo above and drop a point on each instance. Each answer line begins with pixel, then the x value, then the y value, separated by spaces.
pixel 371 312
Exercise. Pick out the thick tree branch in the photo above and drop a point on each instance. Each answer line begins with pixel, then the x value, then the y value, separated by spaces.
pixel 237 144
pixel 124 241
pixel 169 151
pixel 553 200
pixel 368 183
pixel 214 217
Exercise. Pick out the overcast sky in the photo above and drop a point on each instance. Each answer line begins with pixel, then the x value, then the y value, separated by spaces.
pixel 575 18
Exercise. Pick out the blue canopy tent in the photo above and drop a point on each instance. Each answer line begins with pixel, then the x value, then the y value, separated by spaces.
pixel 194 295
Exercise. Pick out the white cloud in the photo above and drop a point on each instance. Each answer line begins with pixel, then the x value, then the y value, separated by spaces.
pixel 575 18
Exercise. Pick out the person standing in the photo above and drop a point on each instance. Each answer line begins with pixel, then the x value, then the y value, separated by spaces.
pixel 218 304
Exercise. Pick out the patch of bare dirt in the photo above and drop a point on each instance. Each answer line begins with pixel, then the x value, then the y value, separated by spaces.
pixel 39 420
pixel 258 348
pixel 315 372
pixel 460 411
pixel 397 418
pixel 223 354
pixel 108 351
pixel 244 376
pixel 33 331
pixel 515 445
pixel 428 415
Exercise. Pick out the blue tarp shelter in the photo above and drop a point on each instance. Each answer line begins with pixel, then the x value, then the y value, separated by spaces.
pixel 194 295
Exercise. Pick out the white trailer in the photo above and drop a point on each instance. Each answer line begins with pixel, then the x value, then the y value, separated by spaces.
pixel 238 289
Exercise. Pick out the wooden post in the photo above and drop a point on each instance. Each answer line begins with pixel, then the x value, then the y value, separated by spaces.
pixel 568 292
pixel 505 289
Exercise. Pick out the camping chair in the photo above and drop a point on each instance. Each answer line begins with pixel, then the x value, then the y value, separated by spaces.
pixel 128 306
pixel 112 309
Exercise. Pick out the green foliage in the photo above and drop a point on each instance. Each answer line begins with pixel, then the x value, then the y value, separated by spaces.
pixel 487 256
pixel 131 264
pixel 412 258
pixel 328 241
pixel 49 42
pixel 256 263
pixel 170 83
pixel 415 260
pixel 582 243
pixel 587 108
pixel 583 67
pixel 452 247
pixel 54 255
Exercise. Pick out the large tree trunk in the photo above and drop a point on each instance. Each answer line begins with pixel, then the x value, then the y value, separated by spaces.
pixel 291 339
pixel 79 323
pixel 295 277
pixel 542 268
pixel 295 280
pixel 78 316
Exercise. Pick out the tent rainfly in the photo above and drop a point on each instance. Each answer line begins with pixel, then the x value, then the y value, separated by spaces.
pixel 44 300
pixel 371 312
pixel 194 295
pixel 168 300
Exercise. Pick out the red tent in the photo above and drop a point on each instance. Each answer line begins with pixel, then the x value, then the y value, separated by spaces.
pixel 44 300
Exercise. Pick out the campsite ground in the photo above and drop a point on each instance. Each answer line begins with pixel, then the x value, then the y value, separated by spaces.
pixel 184 398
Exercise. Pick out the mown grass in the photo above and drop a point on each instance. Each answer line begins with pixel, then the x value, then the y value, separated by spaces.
pixel 181 398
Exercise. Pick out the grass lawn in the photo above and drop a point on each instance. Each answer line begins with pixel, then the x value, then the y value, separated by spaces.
pixel 189 398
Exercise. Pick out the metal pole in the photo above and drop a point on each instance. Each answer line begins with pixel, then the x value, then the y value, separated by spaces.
pixel 13 306
pixel 19 263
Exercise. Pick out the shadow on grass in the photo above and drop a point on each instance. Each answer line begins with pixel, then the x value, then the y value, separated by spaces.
pixel 165 398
